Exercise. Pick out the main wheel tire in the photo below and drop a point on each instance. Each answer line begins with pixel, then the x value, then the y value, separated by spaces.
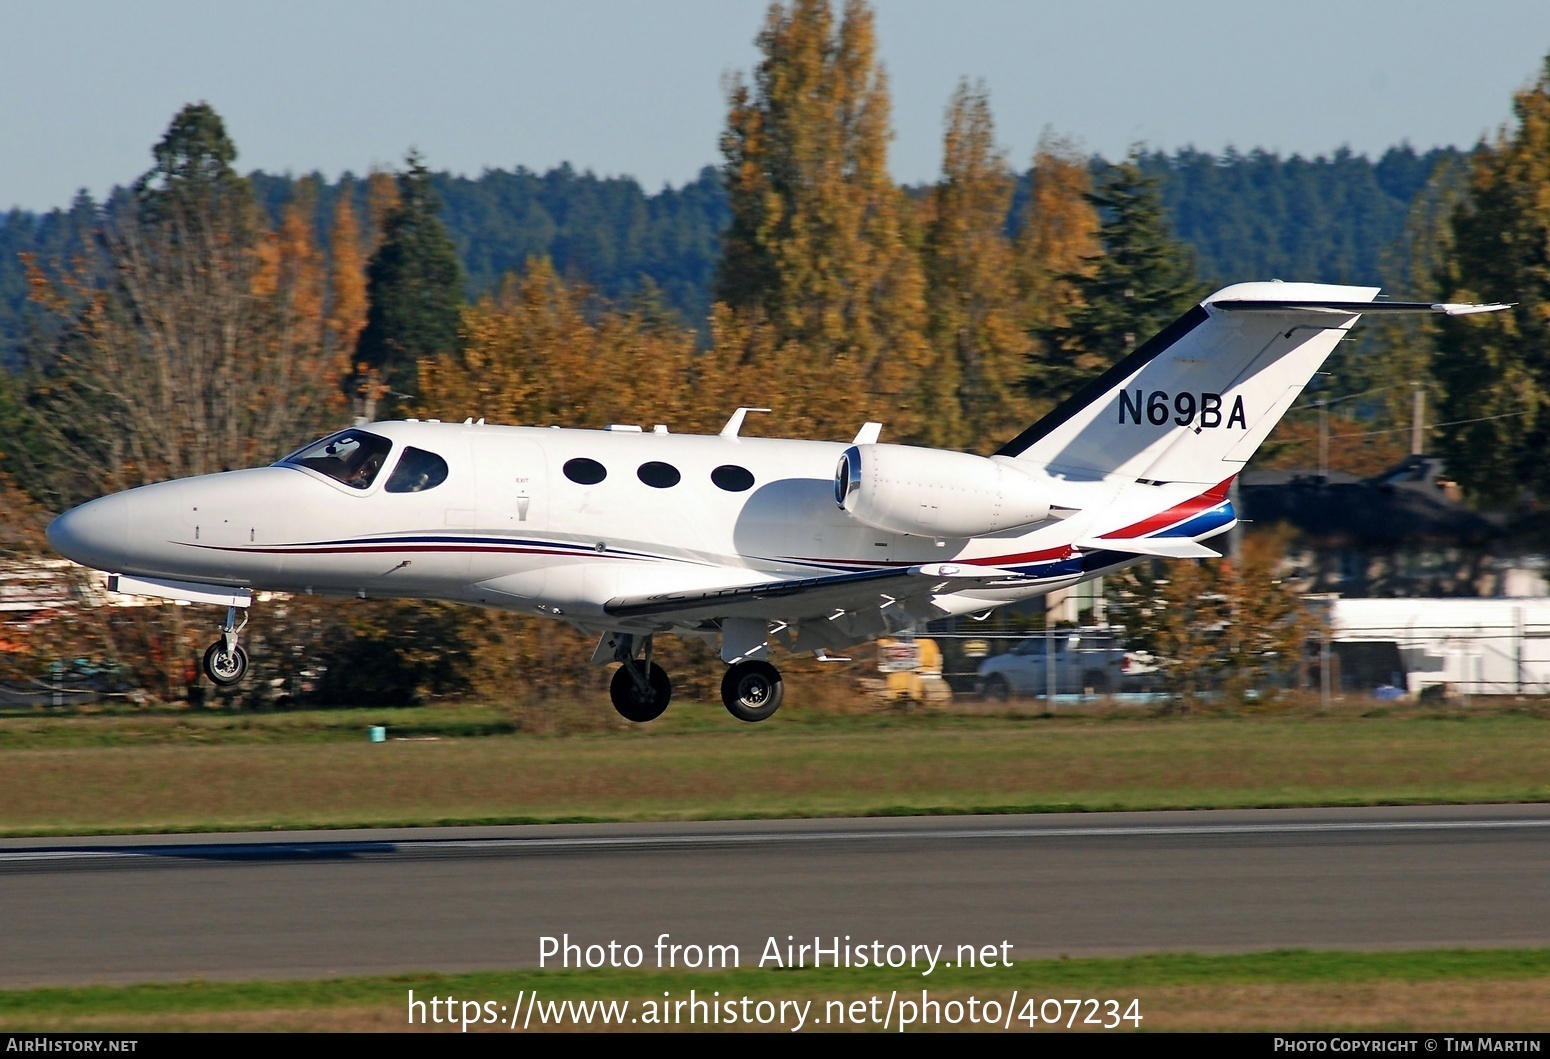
pixel 1096 679
pixel 752 691
pixel 633 702
pixel 997 689
pixel 225 668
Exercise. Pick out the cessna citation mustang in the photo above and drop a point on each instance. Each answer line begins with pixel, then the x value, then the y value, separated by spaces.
pixel 817 545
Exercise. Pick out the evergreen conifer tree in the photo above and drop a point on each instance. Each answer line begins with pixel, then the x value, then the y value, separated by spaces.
pixel 1142 281
pixel 413 288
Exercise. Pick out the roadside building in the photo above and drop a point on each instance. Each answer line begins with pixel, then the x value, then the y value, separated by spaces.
pixel 1405 532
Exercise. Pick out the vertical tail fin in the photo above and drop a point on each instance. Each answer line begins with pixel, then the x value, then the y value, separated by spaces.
pixel 1196 401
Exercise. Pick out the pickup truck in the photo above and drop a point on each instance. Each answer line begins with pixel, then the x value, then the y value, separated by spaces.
pixel 1086 661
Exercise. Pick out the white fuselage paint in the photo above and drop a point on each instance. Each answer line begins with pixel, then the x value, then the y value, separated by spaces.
pixel 508 529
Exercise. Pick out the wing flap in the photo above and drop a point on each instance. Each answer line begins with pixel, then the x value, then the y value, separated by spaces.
pixel 798 599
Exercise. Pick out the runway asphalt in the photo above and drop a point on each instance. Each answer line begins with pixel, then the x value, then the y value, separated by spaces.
pixel 311 904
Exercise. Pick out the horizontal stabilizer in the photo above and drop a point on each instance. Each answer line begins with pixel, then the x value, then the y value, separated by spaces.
pixel 1447 308
pixel 1163 547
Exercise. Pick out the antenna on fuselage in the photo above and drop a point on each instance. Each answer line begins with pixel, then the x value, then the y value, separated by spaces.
pixel 736 422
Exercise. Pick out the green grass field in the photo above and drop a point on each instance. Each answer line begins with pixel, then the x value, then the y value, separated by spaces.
pixel 196 770
pixel 1439 990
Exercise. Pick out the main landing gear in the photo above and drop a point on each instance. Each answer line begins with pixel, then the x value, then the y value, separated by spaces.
pixel 640 689
pixel 752 690
pixel 226 662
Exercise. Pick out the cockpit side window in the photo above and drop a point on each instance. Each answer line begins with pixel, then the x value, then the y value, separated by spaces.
pixel 353 457
pixel 416 472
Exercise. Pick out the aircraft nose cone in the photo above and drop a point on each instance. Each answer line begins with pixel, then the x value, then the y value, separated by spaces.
pixel 95 534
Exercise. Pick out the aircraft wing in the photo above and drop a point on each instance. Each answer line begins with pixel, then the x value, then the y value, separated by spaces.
pixel 828 596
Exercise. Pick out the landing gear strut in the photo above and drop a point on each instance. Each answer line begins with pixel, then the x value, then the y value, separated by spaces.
pixel 752 690
pixel 226 662
pixel 640 689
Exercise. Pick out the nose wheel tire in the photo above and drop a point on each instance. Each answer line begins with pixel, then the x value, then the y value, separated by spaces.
pixel 636 703
pixel 752 691
pixel 224 667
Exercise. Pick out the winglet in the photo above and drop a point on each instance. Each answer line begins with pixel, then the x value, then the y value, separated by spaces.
pixel 736 422
pixel 868 434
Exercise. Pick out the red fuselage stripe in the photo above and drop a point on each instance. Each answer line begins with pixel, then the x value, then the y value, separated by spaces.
pixel 1178 513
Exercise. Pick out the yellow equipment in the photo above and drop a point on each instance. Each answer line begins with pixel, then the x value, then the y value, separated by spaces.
pixel 912 671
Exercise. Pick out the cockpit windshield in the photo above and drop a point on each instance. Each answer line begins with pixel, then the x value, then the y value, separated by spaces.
pixel 353 457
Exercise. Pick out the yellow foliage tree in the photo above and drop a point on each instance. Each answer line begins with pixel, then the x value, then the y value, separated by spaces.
pixel 347 286
pixel 1229 623
pixel 382 198
pixel 817 261
pixel 1057 238
pixel 975 397
pixel 534 355
pixel 291 283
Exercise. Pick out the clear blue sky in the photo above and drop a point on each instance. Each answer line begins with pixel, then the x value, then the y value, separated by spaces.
pixel 635 87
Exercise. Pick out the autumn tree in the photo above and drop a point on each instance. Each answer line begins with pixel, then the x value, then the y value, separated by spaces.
pixel 1141 281
pixel 194 338
pixel 1057 245
pixel 192 341
pixel 1494 369
pixel 381 200
pixel 1228 623
pixel 817 258
pixel 414 286
pixel 975 398
pixel 347 282
pixel 534 352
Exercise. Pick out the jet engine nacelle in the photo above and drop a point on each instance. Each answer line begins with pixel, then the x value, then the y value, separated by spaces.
pixel 935 493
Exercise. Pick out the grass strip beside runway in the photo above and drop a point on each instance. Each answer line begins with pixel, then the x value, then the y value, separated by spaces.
pixel 194 772
pixel 1456 989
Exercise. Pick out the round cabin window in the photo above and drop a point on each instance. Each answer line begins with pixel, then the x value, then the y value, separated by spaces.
pixel 583 471
pixel 659 475
pixel 732 478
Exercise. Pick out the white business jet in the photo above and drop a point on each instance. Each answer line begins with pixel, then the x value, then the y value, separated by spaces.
pixel 817 545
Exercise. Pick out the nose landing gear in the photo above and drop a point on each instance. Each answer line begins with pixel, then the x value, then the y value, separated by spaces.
pixel 751 691
pixel 226 663
pixel 640 689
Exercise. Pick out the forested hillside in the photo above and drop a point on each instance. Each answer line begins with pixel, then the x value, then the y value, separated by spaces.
pixel 1254 215
pixel 1260 216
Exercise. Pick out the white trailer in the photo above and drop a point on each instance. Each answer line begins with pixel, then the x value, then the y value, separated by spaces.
pixel 1472 646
